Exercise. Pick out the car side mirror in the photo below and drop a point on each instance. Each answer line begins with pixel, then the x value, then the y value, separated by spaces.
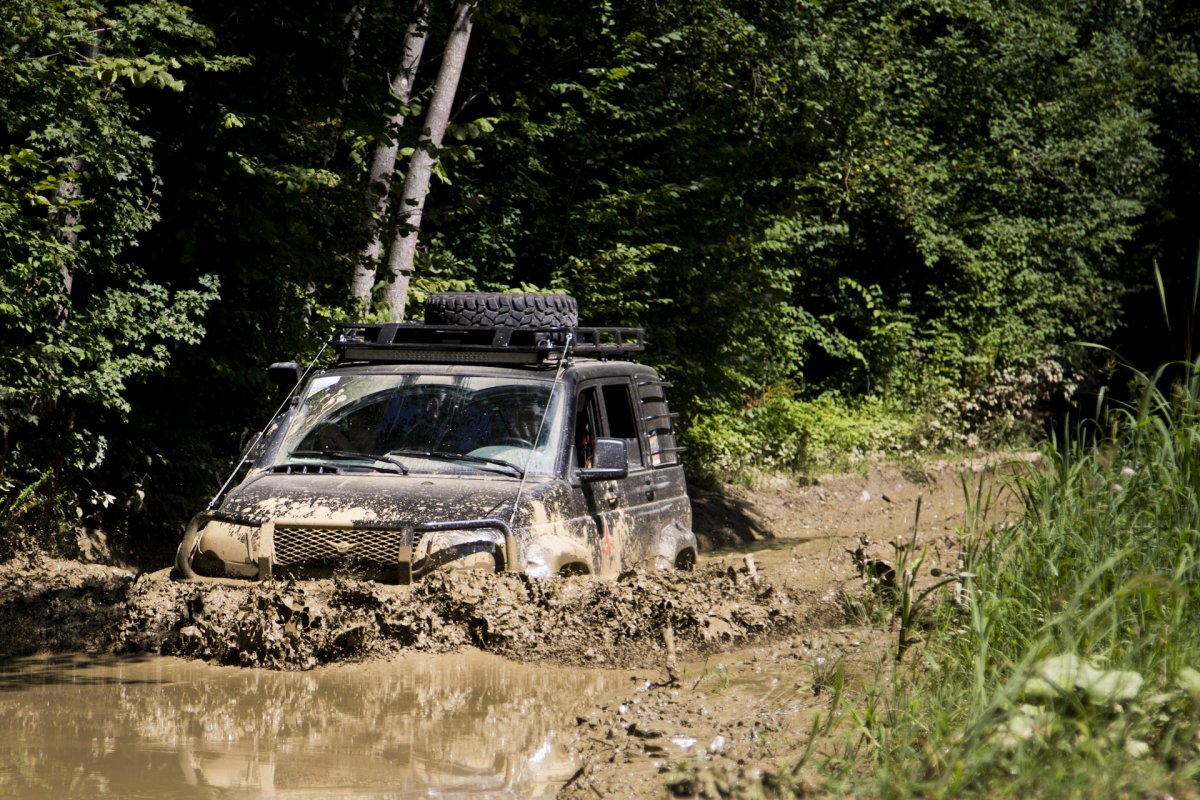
pixel 285 373
pixel 609 462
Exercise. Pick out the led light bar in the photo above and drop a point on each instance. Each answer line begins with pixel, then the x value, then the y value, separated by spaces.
pixel 440 356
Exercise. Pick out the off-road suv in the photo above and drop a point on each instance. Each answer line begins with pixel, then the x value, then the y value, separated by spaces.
pixel 498 434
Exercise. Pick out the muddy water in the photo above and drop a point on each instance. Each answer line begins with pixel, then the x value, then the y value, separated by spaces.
pixel 466 724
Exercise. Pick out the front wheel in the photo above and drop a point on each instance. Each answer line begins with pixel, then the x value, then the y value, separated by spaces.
pixel 187 548
pixel 685 561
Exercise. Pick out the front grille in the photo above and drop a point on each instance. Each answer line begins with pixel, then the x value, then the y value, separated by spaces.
pixel 315 546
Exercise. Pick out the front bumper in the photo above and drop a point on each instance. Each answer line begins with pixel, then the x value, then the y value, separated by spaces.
pixel 217 545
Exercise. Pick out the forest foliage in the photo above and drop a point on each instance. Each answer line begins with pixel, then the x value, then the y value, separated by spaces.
pixel 842 224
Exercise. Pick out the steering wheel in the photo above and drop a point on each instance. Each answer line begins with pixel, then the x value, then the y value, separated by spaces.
pixel 513 441
pixel 328 436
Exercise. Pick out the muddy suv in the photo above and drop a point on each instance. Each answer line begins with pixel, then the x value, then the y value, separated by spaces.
pixel 497 435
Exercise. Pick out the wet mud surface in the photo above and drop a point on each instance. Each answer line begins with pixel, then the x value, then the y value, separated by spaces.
pixel 59 606
pixel 466 724
pixel 754 721
pixel 783 607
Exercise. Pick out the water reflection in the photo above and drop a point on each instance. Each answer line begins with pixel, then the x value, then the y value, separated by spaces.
pixel 466 724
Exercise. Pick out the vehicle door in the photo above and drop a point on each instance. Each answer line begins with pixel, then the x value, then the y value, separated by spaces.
pixel 605 408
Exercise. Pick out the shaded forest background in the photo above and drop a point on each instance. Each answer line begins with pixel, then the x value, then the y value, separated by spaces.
pixel 847 227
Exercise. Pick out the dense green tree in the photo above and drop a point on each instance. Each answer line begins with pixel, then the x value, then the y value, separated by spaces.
pixel 926 202
pixel 79 316
pixel 866 197
pixel 1169 237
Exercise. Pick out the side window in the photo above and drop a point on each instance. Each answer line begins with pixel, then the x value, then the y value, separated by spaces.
pixel 587 427
pixel 606 410
pixel 618 412
pixel 658 420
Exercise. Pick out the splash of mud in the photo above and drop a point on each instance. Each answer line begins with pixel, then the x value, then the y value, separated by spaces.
pixel 298 625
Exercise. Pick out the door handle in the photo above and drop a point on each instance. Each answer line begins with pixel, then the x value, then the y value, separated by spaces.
pixel 654 486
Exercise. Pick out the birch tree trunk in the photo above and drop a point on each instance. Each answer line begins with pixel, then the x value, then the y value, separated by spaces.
pixel 383 164
pixel 420 168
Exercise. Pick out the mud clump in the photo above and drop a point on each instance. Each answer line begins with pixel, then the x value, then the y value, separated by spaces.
pixel 53 605
pixel 298 625
pixel 707 781
pixel 65 606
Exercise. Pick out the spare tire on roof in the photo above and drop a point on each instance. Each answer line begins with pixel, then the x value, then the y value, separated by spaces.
pixel 512 310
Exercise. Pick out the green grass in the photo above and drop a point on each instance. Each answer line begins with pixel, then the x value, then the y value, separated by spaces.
pixel 1067 667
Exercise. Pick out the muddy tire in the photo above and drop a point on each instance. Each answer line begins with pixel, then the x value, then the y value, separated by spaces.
pixel 187 548
pixel 491 309
pixel 686 560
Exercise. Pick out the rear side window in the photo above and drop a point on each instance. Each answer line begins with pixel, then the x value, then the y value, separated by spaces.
pixel 618 410
pixel 658 420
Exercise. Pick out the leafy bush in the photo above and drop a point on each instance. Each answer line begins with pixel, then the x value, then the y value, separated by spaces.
pixel 780 432
pixel 79 318
pixel 1009 408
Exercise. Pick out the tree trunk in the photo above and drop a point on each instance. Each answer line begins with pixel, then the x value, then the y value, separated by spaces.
pixel 383 164
pixel 420 168
pixel 71 191
pixel 67 220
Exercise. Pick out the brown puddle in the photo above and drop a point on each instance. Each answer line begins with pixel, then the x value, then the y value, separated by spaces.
pixel 464 724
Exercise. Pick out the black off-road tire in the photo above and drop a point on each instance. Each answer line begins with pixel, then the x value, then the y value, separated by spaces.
pixel 493 309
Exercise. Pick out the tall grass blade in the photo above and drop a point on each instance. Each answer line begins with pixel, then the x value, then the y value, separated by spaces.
pixel 1162 294
pixel 1196 282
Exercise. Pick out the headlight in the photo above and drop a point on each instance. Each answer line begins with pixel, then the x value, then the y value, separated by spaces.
pixel 460 549
pixel 227 549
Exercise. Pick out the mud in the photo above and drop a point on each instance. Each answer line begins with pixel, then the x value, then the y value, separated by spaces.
pixel 738 724
pixel 460 725
pixel 785 612
pixel 53 606
pixel 756 722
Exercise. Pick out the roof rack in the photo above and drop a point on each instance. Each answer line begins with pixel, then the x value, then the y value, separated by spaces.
pixel 413 342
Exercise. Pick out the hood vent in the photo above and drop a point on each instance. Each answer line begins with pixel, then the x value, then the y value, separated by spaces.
pixel 304 469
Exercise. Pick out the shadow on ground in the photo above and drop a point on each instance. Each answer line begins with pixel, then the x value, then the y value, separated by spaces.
pixel 722 521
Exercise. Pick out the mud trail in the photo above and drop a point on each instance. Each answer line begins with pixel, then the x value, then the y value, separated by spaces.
pixel 575 622
pixel 741 723
pixel 60 606
pixel 771 619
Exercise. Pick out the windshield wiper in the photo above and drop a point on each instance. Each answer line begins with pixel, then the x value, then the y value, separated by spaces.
pixel 448 456
pixel 347 455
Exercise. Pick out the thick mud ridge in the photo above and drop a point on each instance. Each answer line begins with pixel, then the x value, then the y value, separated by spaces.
pixel 48 605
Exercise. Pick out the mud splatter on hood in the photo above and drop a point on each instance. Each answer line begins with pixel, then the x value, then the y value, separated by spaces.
pixel 372 499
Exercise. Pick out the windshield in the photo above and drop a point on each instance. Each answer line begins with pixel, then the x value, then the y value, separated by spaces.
pixel 447 424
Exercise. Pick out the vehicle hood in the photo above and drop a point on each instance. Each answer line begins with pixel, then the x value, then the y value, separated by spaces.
pixel 380 499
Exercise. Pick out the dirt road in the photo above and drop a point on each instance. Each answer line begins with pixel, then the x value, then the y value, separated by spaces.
pixel 834 546
pixel 734 663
